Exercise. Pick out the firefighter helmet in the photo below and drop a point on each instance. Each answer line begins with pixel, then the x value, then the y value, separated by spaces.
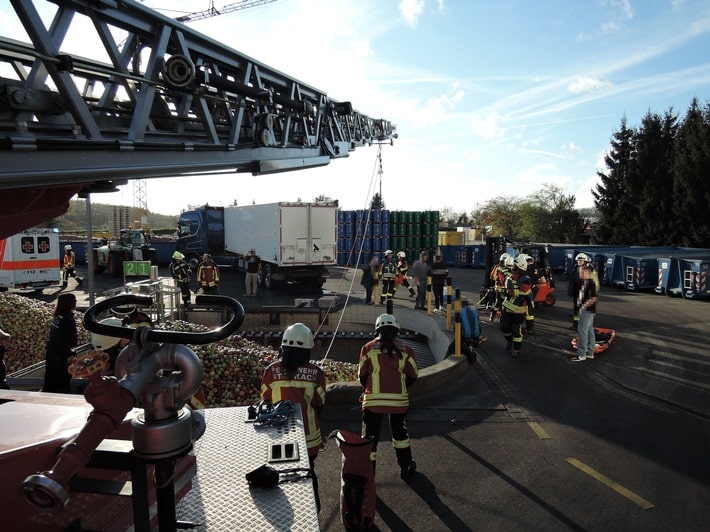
pixel 386 320
pixel 582 256
pixel 178 256
pixel 388 252
pixel 509 262
pixel 521 262
pixel 101 342
pixel 401 255
pixel 67 247
pixel 503 257
pixel 298 335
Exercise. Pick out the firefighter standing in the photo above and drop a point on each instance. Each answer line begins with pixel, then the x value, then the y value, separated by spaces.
pixel 208 275
pixel 388 274
pixel 294 378
pixel 402 269
pixel 531 272
pixel 498 275
pixel 181 272
pixel 517 297
pixel 386 369
pixel 68 267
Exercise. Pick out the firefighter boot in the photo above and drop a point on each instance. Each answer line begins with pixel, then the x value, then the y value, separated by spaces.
pixel 407 466
pixel 530 327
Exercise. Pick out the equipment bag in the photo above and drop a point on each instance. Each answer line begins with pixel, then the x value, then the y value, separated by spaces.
pixel 357 492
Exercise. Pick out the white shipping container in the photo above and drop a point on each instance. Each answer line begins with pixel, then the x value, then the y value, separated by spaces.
pixel 30 259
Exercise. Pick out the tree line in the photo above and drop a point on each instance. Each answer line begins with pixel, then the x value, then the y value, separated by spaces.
pixel 657 187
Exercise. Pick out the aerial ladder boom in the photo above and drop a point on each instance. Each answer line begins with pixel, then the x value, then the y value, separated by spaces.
pixel 169 101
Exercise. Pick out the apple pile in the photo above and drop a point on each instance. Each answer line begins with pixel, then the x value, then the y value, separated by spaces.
pixel 27 320
pixel 232 367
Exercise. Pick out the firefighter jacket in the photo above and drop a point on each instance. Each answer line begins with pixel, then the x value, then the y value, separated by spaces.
pixel 70 260
pixel 499 274
pixel 305 388
pixel 402 267
pixel 207 274
pixel 388 271
pixel 517 292
pixel 385 375
pixel 180 271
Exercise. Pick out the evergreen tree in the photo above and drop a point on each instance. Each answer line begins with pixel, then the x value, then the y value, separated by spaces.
pixel 377 202
pixel 610 197
pixel 691 185
pixel 654 154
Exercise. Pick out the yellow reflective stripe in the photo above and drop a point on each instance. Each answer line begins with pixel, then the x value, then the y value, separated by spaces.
pixel 400 444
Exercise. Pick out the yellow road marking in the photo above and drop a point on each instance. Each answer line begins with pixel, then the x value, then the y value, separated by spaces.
pixel 621 490
pixel 539 430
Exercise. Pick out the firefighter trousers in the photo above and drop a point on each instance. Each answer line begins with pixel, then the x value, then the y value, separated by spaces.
pixel 371 428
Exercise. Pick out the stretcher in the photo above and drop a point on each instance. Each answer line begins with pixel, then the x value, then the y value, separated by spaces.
pixel 603 339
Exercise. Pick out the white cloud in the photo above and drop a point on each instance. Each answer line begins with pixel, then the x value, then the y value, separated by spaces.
pixel 587 84
pixel 624 7
pixel 411 10
pixel 487 126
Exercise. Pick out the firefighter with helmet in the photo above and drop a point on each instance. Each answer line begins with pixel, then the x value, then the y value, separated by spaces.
pixel 531 272
pixel 181 272
pixel 208 275
pixel 295 378
pixel 515 303
pixel 402 269
pixel 498 275
pixel 68 267
pixel 386 369
pixel 388 274
pixel 575 283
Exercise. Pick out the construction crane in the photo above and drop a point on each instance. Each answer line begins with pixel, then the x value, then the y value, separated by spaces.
pixel 229 8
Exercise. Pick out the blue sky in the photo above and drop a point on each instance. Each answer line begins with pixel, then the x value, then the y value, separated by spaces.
pixel 491 98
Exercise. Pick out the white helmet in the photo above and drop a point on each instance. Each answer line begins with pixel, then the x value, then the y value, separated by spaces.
pixel 386 320
pixel 401 255
pixel 521 262
pixel 509 262
pixel 388 252
pixel 503 257
pixel 298 335
pixel 582 256
pixel 67 247
pixel 101 342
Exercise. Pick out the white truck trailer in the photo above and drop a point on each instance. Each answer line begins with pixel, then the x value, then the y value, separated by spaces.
pixel 296 242
pixel 31 260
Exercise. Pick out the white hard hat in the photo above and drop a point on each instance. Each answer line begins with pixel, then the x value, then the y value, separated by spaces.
pixel 503 257
pixel 401 255
pixel 388 252
pixel 582 256
pixel 386 320
pixel 102 342
pixel 298 335
pixel 68 246
pixel 521 262
pixel 509 262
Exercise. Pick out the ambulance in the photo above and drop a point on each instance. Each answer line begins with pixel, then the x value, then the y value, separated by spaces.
pixel 31 260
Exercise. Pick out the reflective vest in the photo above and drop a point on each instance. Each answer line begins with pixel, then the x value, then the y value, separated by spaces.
pixel 388 271
pixel 208 274
pixel 70 260
pixel 385 375
pixel 518 287
pixel 306 388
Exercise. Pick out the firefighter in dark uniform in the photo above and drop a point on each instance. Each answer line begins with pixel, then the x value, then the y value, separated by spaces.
pixel 402 269
pixel 517 297
pixel 208 275
pixel 387 368
pixel 181 272
pixel 388 274
pixel 68 267
pixel 498 275
pixel 531 272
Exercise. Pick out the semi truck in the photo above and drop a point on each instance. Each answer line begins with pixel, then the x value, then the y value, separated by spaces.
pixel 31 259
pixel 295 241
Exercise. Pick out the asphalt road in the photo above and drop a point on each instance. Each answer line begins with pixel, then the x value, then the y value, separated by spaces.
pixel 539 443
